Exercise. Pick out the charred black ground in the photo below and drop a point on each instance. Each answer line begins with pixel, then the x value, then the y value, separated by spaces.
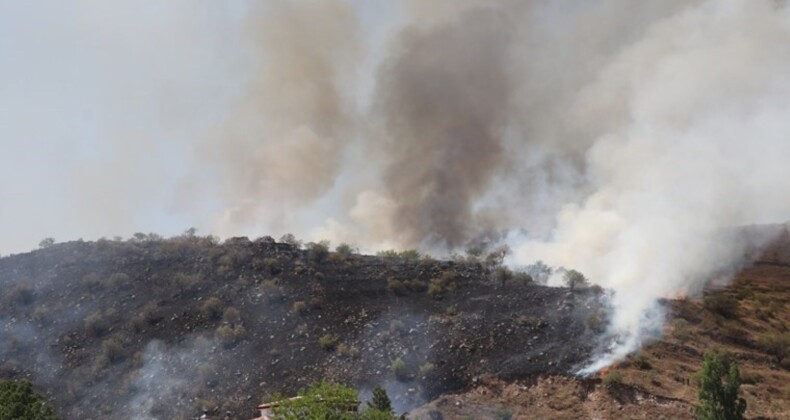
pixel 169 328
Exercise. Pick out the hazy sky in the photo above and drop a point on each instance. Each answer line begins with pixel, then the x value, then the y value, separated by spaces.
pixel 75 76
pixel 101 106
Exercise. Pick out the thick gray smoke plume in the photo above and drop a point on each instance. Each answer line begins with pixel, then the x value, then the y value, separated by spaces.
pixel 444 96
pixel 283 142
pixel 473 124
pixel 692 124
pixel 612 136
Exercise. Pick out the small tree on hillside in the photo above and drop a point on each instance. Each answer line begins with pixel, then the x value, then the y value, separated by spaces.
pixel 502 275
pixel 575 279
pixel 474 252
pixel 19 401
pixel 318 251
pixel 381 401
pixel 290 239
pixel 497 257
pixel 345 250
pixel 46 243
pixel 719 400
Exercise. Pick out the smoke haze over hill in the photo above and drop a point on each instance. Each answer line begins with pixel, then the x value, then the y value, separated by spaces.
pixel 609 136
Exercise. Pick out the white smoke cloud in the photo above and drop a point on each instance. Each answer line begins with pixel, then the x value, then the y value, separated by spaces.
pixel 696 117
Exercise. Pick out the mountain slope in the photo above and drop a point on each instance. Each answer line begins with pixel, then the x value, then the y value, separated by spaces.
pixel 169 328
pixel 658 382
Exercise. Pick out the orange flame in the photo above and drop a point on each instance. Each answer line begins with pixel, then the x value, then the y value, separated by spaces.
pixel 604 370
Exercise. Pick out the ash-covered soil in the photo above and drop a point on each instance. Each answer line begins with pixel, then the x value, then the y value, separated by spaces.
pixel 169 328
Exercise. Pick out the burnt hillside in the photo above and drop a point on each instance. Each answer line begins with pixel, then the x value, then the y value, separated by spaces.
pixel 169 328
pixel 747 320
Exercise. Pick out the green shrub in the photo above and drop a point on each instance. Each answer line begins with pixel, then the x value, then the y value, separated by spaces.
pixel 150 314
pixel 409 255
pixel 474 252
pixel 323 400
pixel 575 279
pixel 530 321
pixel 594 322
pixel 447 280
pixel 186 282
pixel 328 342
pixel 299 307
pixel 398 368
pixel 272 264
pixel 523 278
pixel 207 373
pixel 426 369
pixel 290 239
pixel 96 324
pixel 19 401
pixel 380 401
pixel 722 304
pixel 231 315
pixel 612 378
pixel 640 361
pixel 416 285
pixel 444 283
pixel 766 308
pixel 211 308
pixel 396 286
pixel 680 330
pixel 397 326
pixel 112 349
pixel 346 350
pixel 345 250
pixel 435 289
pixel 389 254
pixel 271 291
pixel 719 400
pixel 596 290
pixel 318 251
pixel 497 257
pixel 776 344
pixel 229 335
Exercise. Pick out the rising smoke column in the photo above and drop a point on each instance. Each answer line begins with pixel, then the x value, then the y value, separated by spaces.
pixel 622 138
pixel 697 116
pixel 443 98
pixel 281 147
